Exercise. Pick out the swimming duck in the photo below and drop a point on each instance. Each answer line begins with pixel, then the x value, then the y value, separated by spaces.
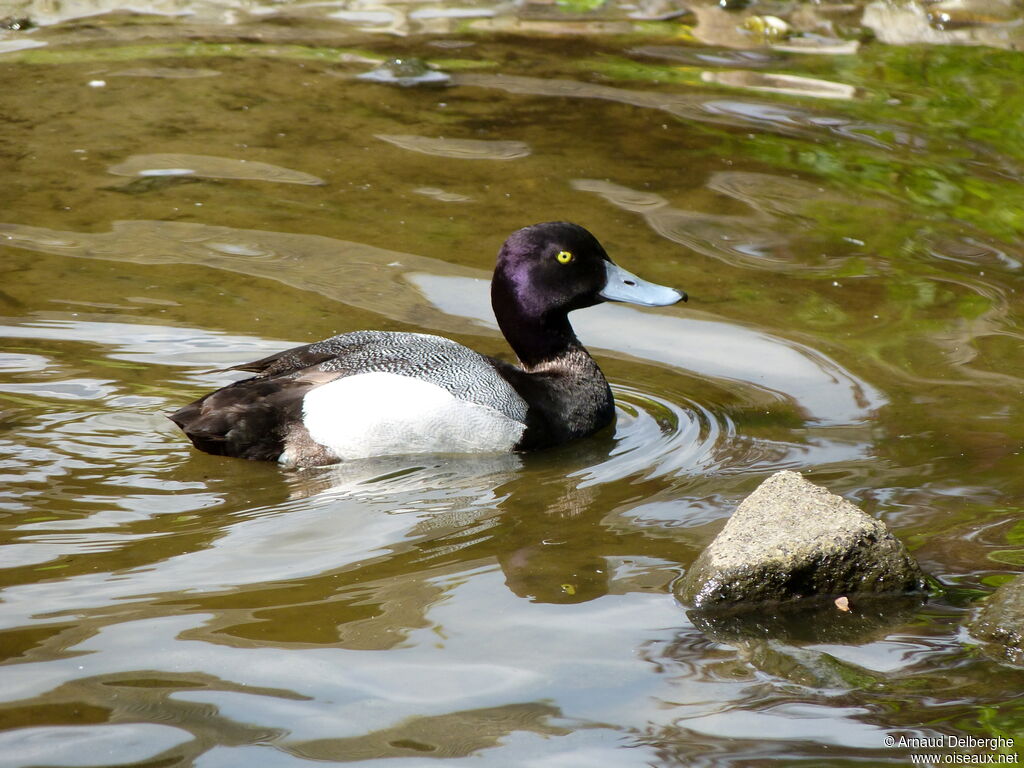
pixel 376 393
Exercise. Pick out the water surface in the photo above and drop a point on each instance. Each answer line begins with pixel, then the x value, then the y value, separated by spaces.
pixel 206 184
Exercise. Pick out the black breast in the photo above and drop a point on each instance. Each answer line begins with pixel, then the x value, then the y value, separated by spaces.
pixel 569 398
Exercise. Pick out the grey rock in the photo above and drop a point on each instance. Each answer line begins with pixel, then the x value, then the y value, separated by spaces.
pixel 1000 623
pixel 791 539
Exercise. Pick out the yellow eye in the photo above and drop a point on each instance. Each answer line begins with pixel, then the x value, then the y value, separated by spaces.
pixel 564 257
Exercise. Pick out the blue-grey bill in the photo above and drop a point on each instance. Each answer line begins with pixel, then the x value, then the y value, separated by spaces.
pixel 625 286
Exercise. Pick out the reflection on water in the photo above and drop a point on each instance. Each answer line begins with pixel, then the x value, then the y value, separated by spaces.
pixel 792 85
pixel 460 149
pixel 902 24
pixel 761 115
pixel 711 348
pixel 354 273
pixel 168 72
pixel 829 394
pixel 65 745
pixel 853 265
pixel 10 46
pixel 440 194
pixel 209 167
pixel 738 239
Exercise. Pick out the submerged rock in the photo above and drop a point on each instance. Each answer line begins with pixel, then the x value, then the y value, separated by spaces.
pixel 406 72
pixel 807 621
pixel 1000 623
pixel 767 29
pixel 791 539
pixel 16 24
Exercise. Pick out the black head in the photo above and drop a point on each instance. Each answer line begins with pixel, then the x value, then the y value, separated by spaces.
pixel 556 267
pixel 551 267
pixel 548 270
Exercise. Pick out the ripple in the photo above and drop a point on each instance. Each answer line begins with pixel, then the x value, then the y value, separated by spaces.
pixel 148 344
pixel 453 13
pixel 442 196
pixel 633 200
pixel 34 550
pixel 10 46
pixel 759 115
pixel 710 57
pixel 35 238
pixel 775 194
pixel 771 368
pixel 668 435
pixel 776 117
pixel 174 73
pixel 440 296
pixel 970 251
pixel 461 149
pixel 386 16
pixel 84 745
pixel 754 240
pixel 241 249
pixel 655 436
pixel 16 362
pixel 791 85
pixel 68 389
pixel 209 167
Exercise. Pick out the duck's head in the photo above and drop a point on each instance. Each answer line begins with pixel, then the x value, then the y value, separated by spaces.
pixel 553 268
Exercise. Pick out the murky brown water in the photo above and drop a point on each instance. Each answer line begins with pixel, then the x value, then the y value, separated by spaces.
pixel 184 193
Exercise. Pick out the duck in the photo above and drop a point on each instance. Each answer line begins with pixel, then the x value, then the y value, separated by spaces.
pixel 371 393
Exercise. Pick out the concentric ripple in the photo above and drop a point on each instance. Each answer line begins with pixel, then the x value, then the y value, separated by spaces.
pixel 656 436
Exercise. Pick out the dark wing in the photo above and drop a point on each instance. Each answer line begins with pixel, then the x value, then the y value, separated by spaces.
pixel 249 419
pixel 286 361
pixel 243 419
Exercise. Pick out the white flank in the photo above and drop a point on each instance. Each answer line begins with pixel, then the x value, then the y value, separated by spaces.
pixel 381 414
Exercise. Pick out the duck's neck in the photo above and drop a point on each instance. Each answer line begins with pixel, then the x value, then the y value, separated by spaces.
pixel 538 338
pixel 568 394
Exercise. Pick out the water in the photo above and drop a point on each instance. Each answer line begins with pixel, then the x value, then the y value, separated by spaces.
pixel 207 184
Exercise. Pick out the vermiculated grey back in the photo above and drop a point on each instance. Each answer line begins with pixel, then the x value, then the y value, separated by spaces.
pixel 464 373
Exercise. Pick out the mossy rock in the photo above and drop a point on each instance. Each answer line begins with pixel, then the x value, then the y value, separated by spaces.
pixel 791 539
